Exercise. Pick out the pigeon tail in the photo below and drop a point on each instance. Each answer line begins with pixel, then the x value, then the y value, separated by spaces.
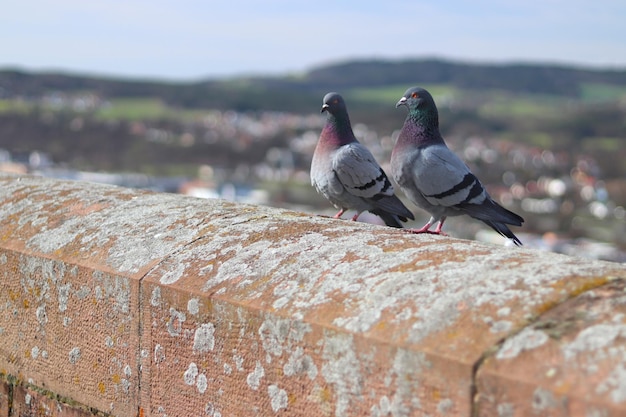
pixel 489 210
pixel 393 205
pixel 504 231
pixel 391 220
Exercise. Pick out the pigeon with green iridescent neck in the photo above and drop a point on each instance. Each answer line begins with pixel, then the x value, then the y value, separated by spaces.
pixel 346 173
pixel 434 178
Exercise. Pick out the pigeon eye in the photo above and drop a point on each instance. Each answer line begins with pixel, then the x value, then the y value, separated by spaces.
pixel 414 95
pixel 335 101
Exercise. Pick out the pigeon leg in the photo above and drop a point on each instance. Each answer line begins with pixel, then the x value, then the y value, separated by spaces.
pixel 339 214
pixel 440 226
pixel 426 228
pixel 356 216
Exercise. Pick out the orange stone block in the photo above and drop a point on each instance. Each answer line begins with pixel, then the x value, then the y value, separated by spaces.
pixel 70 329
pixel 570 362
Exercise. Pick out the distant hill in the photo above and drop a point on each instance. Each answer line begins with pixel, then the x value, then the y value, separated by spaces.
pixel 528 78
pixel 295 93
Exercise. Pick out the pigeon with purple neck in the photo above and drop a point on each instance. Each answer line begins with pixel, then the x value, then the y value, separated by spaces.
pixel 346 173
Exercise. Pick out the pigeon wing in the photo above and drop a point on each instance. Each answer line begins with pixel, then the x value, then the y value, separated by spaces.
pixel 448 182
pixel 360 174
pixel 444 180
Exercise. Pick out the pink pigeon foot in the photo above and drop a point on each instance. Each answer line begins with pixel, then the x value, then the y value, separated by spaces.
pixel 426 229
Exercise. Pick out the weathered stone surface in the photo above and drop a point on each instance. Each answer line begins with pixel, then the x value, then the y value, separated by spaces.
pixel 113 229
pixel 28 402
pixel 70 329
pixel 126 300
pixel 571 362
pixel 71 259
pixel 5 397
pixel 385 322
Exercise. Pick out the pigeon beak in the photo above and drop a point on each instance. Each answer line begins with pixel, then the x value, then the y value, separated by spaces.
pixel 401 102
pixel 324 108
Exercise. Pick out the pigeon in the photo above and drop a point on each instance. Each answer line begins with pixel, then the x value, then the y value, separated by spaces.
pixel 435 178
pixel 346 173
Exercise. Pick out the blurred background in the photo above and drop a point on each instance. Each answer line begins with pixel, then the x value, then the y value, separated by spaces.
pixel 222 99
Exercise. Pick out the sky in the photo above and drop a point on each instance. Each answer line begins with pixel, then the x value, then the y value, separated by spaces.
pixel 199 39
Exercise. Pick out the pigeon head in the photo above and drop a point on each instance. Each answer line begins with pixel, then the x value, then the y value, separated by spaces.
pixel 333 103
pixel 417 97
pixel 421 106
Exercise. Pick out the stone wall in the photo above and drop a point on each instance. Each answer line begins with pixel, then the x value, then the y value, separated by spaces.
pixel 130 303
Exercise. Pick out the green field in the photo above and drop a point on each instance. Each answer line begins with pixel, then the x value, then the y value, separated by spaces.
pixel 14 106
pixel 602 92
pixel 133 109
pixel 392 94
pixel 501 105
